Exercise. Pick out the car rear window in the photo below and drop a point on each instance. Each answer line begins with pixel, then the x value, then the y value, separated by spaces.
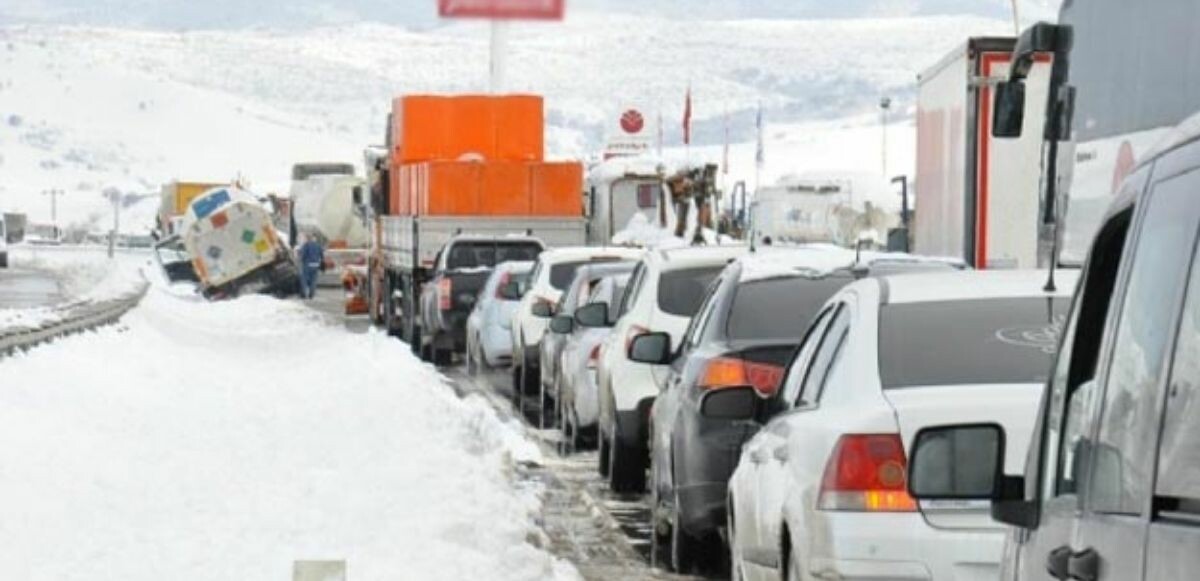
pixel 970 342
pixel 562 274
pixel 779 308
pixel 680 292
pixel 489 254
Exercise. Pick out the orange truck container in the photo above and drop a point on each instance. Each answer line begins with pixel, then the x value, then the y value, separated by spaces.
pixel 557 189
pixel 486 128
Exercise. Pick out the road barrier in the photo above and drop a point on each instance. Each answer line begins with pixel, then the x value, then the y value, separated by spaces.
pixel 76 318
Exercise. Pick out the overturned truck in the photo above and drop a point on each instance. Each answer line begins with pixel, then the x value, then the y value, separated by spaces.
pixel 234 248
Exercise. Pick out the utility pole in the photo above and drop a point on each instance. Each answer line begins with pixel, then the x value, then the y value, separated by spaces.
pixel 54 194
pixel 885 104
pixel 114 195
pixel 498 47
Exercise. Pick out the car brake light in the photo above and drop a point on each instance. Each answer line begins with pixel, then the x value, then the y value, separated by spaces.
pixel 723 372
pixel 594 357
pixel 444 290
pixel 634 331
pixel 866 473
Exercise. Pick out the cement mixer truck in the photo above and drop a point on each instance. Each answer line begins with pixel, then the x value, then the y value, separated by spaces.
pixel 234 246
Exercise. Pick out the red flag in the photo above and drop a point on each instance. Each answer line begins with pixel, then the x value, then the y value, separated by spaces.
pixel 687 118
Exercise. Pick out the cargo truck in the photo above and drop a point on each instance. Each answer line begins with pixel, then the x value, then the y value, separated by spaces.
pixel 234 247
pixel 976 196
pixel 624 194
pixel 322 205
pixel 455 166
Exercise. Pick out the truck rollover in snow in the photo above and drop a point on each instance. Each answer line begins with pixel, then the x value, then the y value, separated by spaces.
pixel 459 166
pixel 234 247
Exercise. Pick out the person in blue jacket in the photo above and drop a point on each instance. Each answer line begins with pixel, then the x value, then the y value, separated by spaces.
pixel 312 259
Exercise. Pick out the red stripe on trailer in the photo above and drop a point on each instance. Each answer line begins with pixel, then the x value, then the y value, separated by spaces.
pixel 985 140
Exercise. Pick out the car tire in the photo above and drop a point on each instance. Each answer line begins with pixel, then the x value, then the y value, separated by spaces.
pixel 602 460
pixel 517 373
pixel 685 550
pixel 626 473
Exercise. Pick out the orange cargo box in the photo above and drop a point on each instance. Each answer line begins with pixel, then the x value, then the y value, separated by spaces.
pixel 449 188
pixel 520 128
pixel 506 189
pixel 420 126
pixel 471 127
pixel 557 189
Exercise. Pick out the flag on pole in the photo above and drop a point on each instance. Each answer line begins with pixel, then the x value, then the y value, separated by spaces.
pixel 760 150
pixel 725 158
pixel 687 117
pixel 660 133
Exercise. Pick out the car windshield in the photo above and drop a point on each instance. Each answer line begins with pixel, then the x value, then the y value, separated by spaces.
pixel 563 273
pixel 779 308
pixel 487 254
pixel 969 342
pixel 680 292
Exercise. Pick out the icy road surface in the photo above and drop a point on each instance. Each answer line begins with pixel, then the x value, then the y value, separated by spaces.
pixel 224 441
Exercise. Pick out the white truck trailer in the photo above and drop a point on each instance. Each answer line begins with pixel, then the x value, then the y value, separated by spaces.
pixel 322 196
pixel 234 247
pixel 976 197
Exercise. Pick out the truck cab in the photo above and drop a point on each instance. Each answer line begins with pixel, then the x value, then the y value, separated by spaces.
pixel 626 194
pixel 460 271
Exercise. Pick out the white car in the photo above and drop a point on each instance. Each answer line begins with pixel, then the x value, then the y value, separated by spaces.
pixel 552 273
pixel 489 334
pixel 578 402
pixel 664 291
pixel 821 491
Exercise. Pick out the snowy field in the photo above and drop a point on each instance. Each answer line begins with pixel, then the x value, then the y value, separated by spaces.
pixel 224 441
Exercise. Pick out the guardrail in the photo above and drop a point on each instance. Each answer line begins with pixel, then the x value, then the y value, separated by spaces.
pixel 77 318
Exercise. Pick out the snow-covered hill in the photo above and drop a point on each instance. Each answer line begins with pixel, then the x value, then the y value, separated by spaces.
pixel 218 14
pixel 84 108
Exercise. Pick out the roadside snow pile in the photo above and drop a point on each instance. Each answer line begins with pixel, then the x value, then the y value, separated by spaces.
pixel 84 276
pixel 201 441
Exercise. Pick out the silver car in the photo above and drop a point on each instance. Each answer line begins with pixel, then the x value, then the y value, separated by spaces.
pixel 575 380
pixel 489 332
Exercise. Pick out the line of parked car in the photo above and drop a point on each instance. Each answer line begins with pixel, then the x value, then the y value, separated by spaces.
pixel 813 412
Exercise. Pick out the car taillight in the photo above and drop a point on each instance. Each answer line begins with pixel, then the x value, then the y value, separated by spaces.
pixel 594 357
pixel 866 473
pixel 444 294
pixel 723 372
pixel 504 280
pixel 634 331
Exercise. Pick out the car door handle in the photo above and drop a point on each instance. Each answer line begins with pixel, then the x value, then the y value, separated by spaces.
pixel 1057 563
pixel 1084 565
pixel 781 454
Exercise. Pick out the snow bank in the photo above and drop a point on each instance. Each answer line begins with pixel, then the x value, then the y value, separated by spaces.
pixel 84 275
pixel 203 441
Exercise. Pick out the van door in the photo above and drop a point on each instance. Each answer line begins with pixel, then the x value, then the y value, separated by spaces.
pixel 1042 553
pixel 1175 512
pixel 1119 459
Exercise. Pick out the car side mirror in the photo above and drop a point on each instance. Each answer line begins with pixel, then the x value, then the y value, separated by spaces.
pixel 962 462
pixel 562 324
pixel 592 315
pixel 740 403
pixel 652 348
pixel 511 291
pixel 1009 116
pixel 542 310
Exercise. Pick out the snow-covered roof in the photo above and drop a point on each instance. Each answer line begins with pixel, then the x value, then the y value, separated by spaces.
pixel 978 284
pixel 821 259
pixel 619 167
pixel 573 253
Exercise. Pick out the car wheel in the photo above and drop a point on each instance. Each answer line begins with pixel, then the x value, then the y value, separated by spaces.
pixel 660 537
pixel 602 460
pixel 517 374
pixel 791 571
pixel 626 472
pixel 684 548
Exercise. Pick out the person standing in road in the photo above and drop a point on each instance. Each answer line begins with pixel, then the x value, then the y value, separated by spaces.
pixel 312 259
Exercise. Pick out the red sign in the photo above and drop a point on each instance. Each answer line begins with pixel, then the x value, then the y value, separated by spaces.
pixel 632 121
pixel 502 9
